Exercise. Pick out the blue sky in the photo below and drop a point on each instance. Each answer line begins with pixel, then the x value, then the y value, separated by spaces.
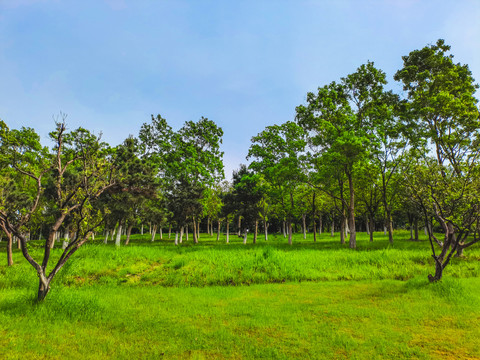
pixel 245 64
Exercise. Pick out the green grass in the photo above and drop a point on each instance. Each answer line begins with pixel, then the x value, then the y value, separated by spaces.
pixel 265 300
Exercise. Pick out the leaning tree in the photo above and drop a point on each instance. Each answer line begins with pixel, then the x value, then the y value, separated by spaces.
pixel 67 179
pixel 445 134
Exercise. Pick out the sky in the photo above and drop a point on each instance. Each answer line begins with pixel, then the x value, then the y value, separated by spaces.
pixel 245 64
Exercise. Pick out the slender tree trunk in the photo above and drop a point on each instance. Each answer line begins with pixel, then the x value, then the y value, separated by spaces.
pixel 169 231
pixel 228 229
pixel 186 232
pixel 416 229
pixel 119 235
pixel 141 231
pixel 290 233
pixel 181 235
pixel 161 232
pixel 9 249
pixel 153 230
pixel 208 226
pixel 342 231
pixel 332 229
pixel 218 230
pixel 367 228
pixel 265 228
pixel 176 237
pixel 19 244
pixel 284 230
pixel 129 232
pixel 105 241
pixel 198 230
pixel 9 244
pixel 239 225
pixel 372 229
pixel 314 230
pixel 245 237
pixel 195 230
pixel 320 225
pixel 304 225
pixel 256 232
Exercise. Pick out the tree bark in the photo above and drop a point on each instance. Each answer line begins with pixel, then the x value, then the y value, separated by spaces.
pixel 284 231
pixel 129 232
pixel 314 230
pixel 332 229
pixel 195 231
pixel 304 225
pixel 372 229
pixel 256 232
pixel 320 225
pixel 181 235
pixel 228 229
pixel 119 235
pixel 105 241
pixel 9 244
pixel 239 225
pixel 245 237
pixel 265 228
pixel 218 229
pixel 290 233
pixel 153 230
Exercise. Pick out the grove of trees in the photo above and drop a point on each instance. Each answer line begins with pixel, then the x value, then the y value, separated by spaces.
pixel 356 157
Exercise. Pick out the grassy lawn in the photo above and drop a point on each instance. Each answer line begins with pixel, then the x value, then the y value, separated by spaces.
pixel 268 300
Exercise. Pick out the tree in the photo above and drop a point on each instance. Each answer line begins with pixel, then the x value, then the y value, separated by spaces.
pixel 446 134
pixel 78 170
pixel 278 153
pixel 341 119
pixel 188 161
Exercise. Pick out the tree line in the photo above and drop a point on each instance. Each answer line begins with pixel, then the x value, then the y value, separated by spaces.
pixel 356 156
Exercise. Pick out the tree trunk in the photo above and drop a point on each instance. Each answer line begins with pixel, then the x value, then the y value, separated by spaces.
pixel 290 233
pixel 9 244
pixel 141 231
pixel 342 230
pixel 176 237
pixel 169 231
pixel 416 229
pixel 228 229
pixel 320 225
pixel 161 233
pixel 372 229
pixel 153 230
pixel 129 232
pixel 314 230
pixel 119 235
pixel 332 229
pixel 256 232
pixel 218 229
pixel 265 228
pixel 208 226
pixel 304 225
pixel 239 225
pixel 105 241
pixel 284 231
pixel 181 235
pixel 245 237
pixel 186 232
pixel 195 231
pixel 43 290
